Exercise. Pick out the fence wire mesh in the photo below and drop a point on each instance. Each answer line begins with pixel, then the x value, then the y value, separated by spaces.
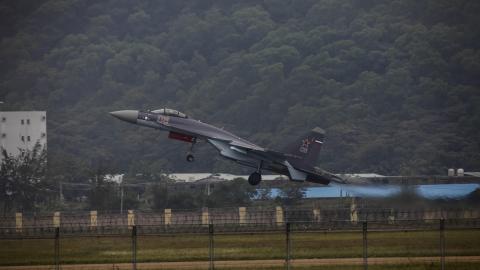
pixel 300 240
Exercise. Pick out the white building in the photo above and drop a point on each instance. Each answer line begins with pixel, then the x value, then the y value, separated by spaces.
pixel 194 177
pixel 22 130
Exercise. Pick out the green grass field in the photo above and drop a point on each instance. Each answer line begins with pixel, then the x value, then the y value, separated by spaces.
pixel 80 250
pixel 434 266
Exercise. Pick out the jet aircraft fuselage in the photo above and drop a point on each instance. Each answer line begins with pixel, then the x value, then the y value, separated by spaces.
pixel 297 161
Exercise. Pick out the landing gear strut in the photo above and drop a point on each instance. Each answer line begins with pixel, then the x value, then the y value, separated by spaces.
pixel 190 157
pixel 255 178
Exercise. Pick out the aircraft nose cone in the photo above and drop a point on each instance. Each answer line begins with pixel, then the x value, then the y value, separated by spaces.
pixel 126 115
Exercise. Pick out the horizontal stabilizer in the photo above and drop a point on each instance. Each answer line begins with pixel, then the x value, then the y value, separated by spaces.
pixel 295 175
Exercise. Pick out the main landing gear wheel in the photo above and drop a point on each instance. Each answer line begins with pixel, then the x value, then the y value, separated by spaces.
pixel 254 178
pixel 190 157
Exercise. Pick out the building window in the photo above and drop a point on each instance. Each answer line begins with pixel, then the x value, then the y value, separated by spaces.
pixel 28 138
pixel 4 135
pixel 43 134
pixel 43 118
pixel 28 121
pixel 23 138
pixel 4 119
pixel 23 122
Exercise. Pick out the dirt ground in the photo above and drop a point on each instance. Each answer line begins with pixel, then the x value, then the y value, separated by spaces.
pixel 250 263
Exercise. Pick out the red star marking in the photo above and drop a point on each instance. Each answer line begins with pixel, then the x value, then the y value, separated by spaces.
pixel 305 143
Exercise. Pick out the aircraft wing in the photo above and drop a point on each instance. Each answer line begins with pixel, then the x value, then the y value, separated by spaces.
pixel 247 148
pixel 259 151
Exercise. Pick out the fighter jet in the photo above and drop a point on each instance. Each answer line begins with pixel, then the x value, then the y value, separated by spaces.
pixel 297 161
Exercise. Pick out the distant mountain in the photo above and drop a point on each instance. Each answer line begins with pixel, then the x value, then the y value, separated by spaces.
pixel 394 84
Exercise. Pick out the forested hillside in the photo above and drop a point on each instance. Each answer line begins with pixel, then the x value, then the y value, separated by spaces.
pixel 395 84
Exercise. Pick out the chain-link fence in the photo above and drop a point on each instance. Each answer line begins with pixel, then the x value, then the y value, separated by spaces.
pixel 437 243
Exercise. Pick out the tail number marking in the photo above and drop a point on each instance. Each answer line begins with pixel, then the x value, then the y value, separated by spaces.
pixel 305 144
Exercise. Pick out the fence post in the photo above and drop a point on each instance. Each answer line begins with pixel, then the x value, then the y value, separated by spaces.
pixel 442 244
pixel 391 217
pixel 467 213
pixel 242 213
pixel 316 215
pixel 57 248
pixel 353 212
pixel 167 217
pixel 56 219
pixel 134 247
pixel 211 247
pixel 18 222
pixel 288 246
pixel 131 219
pixel 365 246
pixel 429 216
pixel 205 216
pixel 93 219
pixel 279 215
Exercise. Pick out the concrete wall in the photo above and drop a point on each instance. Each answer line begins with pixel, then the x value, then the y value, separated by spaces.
pixel 242 215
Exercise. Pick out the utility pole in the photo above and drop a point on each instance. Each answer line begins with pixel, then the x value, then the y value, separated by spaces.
pixel 121 194
pixel 134 248
pixel 57 249
pixel 442 244
pixel 288 246
pixel 121 198
pixel 365 246
pixel 211 247
pixel 61 192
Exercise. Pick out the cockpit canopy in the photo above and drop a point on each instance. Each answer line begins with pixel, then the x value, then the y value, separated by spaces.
pixel 170 112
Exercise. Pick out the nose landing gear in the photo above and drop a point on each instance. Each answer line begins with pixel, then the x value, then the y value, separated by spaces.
pixel 190 157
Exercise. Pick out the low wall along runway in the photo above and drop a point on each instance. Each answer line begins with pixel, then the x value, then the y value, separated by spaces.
pixel 241 215
pixel 243 238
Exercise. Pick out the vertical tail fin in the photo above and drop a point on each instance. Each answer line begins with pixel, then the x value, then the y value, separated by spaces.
pixel 307 148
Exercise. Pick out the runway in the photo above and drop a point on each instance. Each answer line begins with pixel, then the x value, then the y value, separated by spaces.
pixel 253 264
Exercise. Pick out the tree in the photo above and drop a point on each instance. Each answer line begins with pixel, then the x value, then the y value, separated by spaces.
pixel 368 72
pixel 233 193
pixel 164 197
pixel 291 192
pixel 104 195
pixel 23 183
